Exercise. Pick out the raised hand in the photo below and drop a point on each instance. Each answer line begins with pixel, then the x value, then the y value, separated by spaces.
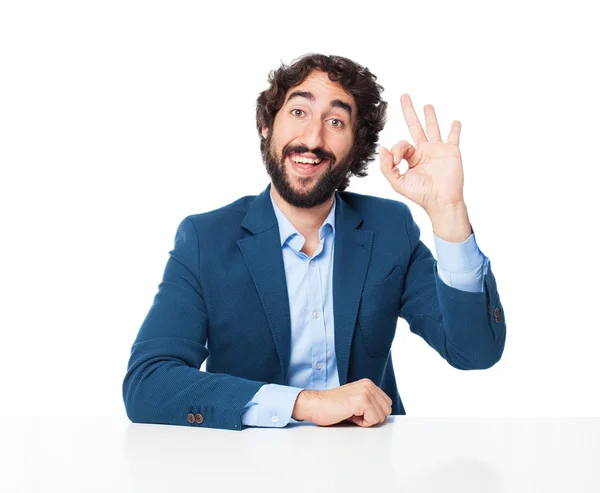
pixel 434 178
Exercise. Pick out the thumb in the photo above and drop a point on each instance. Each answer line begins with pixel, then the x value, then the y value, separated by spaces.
pixel 357 420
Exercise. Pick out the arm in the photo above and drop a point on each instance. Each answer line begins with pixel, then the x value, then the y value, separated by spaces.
pixel 466 328
pixel 163 383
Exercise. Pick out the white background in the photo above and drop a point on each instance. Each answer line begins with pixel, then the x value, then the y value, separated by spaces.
pixel 118 119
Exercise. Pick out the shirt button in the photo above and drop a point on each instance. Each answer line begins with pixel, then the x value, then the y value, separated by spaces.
pixel 275 419
pixel 312 263
pixel 319 366
pixel 315 314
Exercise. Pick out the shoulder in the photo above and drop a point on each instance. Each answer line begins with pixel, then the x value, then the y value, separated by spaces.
pixel 230 215
pixel 377 211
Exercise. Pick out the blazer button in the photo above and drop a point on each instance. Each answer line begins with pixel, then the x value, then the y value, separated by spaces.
pixel 190 418
pixel 497 314
pixel 198 418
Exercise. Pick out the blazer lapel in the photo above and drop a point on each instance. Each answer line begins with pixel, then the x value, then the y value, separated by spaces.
pixel 352 254
pixel 263 256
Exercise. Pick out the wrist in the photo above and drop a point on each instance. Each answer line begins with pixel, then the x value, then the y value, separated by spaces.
pixel 451 223
pixel 302 407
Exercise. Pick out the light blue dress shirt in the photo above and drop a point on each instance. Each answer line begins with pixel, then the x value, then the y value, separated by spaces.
pixel 313 363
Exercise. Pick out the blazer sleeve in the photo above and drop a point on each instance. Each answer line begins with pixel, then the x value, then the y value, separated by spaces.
pixel 163 383
pixel 467 329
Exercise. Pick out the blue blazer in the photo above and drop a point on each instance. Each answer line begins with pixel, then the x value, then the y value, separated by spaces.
pixel 223 298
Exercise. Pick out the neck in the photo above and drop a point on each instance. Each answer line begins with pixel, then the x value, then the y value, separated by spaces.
pixel 306 221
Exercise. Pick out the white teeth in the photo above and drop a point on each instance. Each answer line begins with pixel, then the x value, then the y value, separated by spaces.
pixel 300 159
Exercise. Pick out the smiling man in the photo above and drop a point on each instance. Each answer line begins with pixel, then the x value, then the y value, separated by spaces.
pixel 293 296
pixel 308 152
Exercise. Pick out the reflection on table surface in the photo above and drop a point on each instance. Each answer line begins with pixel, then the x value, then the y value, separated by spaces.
pixel 417 454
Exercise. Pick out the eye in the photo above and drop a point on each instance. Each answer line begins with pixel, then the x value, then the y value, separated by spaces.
pixel 296 109
pixel 339 124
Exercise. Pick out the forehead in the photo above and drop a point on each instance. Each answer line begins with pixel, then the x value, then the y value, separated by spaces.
pixel 324 89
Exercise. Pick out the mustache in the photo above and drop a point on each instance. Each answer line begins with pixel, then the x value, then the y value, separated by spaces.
pixel 318 152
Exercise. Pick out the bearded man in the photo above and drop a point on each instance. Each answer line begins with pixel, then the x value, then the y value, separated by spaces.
pixel 292 296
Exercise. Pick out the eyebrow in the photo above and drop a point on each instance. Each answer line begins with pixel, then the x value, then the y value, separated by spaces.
pixel 334 103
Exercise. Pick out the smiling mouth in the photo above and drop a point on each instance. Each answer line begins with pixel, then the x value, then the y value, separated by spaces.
pixel 298 159
pixel 307 168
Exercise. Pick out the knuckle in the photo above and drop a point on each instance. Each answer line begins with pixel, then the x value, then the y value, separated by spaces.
pixel 368 383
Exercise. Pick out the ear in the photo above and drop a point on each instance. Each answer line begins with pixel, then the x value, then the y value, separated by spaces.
pixel 264 132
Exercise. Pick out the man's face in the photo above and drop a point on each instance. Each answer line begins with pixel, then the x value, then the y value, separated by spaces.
pixel 315 123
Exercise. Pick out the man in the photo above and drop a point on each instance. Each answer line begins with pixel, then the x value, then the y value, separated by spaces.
pixel 295 293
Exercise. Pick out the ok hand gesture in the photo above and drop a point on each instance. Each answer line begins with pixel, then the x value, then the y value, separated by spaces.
pixel 434 178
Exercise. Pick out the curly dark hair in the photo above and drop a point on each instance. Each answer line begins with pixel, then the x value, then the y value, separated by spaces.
pixel 354 78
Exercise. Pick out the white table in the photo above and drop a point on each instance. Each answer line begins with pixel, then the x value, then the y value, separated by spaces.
pixel 407 454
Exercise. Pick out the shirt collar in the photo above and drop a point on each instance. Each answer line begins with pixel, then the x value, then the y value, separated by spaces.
pixel 287 229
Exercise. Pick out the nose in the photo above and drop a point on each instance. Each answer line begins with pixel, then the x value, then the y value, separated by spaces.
pixel 313 134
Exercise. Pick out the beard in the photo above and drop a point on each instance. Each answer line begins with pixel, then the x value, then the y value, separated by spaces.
pixel 325 185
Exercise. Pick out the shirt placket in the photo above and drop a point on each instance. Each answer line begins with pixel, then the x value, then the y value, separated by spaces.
pixel 317 326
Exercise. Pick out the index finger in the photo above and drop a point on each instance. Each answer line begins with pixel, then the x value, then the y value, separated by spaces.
pixel 412 120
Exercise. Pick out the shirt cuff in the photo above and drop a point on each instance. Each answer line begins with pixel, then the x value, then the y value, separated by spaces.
pixel 272 406
pixel 461 265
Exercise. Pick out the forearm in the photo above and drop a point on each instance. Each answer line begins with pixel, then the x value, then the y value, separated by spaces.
pixel 460 326
pixel 451 223
pixel 163 385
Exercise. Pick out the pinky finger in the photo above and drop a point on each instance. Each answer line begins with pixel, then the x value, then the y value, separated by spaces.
pixel 454 135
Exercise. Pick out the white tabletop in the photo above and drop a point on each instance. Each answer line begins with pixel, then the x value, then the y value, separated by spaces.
pixel 418 454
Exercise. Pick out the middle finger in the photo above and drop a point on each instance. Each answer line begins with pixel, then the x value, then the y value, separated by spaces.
pixel 433 129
